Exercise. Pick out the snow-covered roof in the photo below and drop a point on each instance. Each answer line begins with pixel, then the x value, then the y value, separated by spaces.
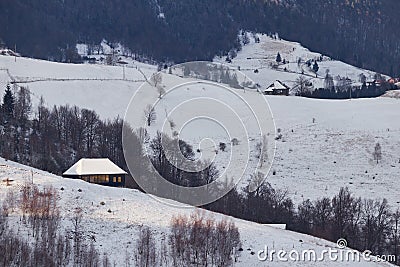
pixel 277 85
pixel 94 166
pixel 8 52
pixel 277 226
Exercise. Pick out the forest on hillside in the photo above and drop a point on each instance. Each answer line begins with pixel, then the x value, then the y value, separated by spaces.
pixel 54 139
pixel 363 33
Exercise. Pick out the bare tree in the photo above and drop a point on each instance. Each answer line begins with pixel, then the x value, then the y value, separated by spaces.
pixel 160 90
pixel 209 172
pixel 343 84
pixel 9 202
pixel 77 235
pixel 143 135
pixel 375 221
pixel 262 150
pixel 201 241
pixel 156 81
pixel 362 78
pixel 346 210
pixel 91 123
pixel 146 248
pixel 328 82
pixel 301 87
pixel 255 183
pixel 164 259
pixel 60 251
pixel 377 153
pixel 150 115
pixel 396 234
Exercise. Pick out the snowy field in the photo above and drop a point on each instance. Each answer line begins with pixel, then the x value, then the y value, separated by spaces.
pixel 325 144
pixel 98 87
pixel 316 159
pixel 88 85
pixel 115 232
pixel 262 56
pixel 313 159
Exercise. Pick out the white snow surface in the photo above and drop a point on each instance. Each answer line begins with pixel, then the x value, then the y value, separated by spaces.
pixel 325 145
pixel 262 57
pixel 116 232
pixel 105 89
pixel 315 160
pixel 345 131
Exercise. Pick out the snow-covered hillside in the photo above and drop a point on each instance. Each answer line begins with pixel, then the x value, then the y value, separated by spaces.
pixel 344 132
pixel 258 61
pixel 106 89
pixel 88 85
pixel 315 159
pixel 324 144
pixel 115 232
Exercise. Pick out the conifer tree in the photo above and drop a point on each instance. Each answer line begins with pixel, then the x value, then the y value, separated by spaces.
pixel 315 67
pixel 8 104
pixel 278 58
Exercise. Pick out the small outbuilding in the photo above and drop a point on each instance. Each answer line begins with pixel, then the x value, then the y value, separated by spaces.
pixel 100 171
pixel 277 88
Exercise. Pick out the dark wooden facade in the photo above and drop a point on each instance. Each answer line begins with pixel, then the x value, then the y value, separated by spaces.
pixel 277 92
pixel 115 180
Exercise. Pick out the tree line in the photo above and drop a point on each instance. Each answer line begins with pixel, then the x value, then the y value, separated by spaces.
pixel 54 139
pixel 366 224
pixel 347 91
pixel 46 242
pixel 362 33
pixel 344 87
pixel 197 240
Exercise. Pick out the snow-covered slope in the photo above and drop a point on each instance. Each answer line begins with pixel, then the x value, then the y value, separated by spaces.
pixel 261 56
pixel 344 132
pixel 316 159
pixel 88 85
pixel 106 89
pixel 115 232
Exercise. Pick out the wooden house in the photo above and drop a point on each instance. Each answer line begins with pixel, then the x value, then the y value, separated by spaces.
pixel 277 88
pixel 98 171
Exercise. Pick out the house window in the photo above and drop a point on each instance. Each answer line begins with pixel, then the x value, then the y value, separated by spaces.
pixel 114 179
pixel 103 178
pixel 119 179
pixel 97 178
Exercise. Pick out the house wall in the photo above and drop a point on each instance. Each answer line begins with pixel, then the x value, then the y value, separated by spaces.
pixel 115 180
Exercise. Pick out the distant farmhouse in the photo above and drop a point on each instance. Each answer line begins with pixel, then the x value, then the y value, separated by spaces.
pixel 97 171
pixel 277 88
pixel 8 52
